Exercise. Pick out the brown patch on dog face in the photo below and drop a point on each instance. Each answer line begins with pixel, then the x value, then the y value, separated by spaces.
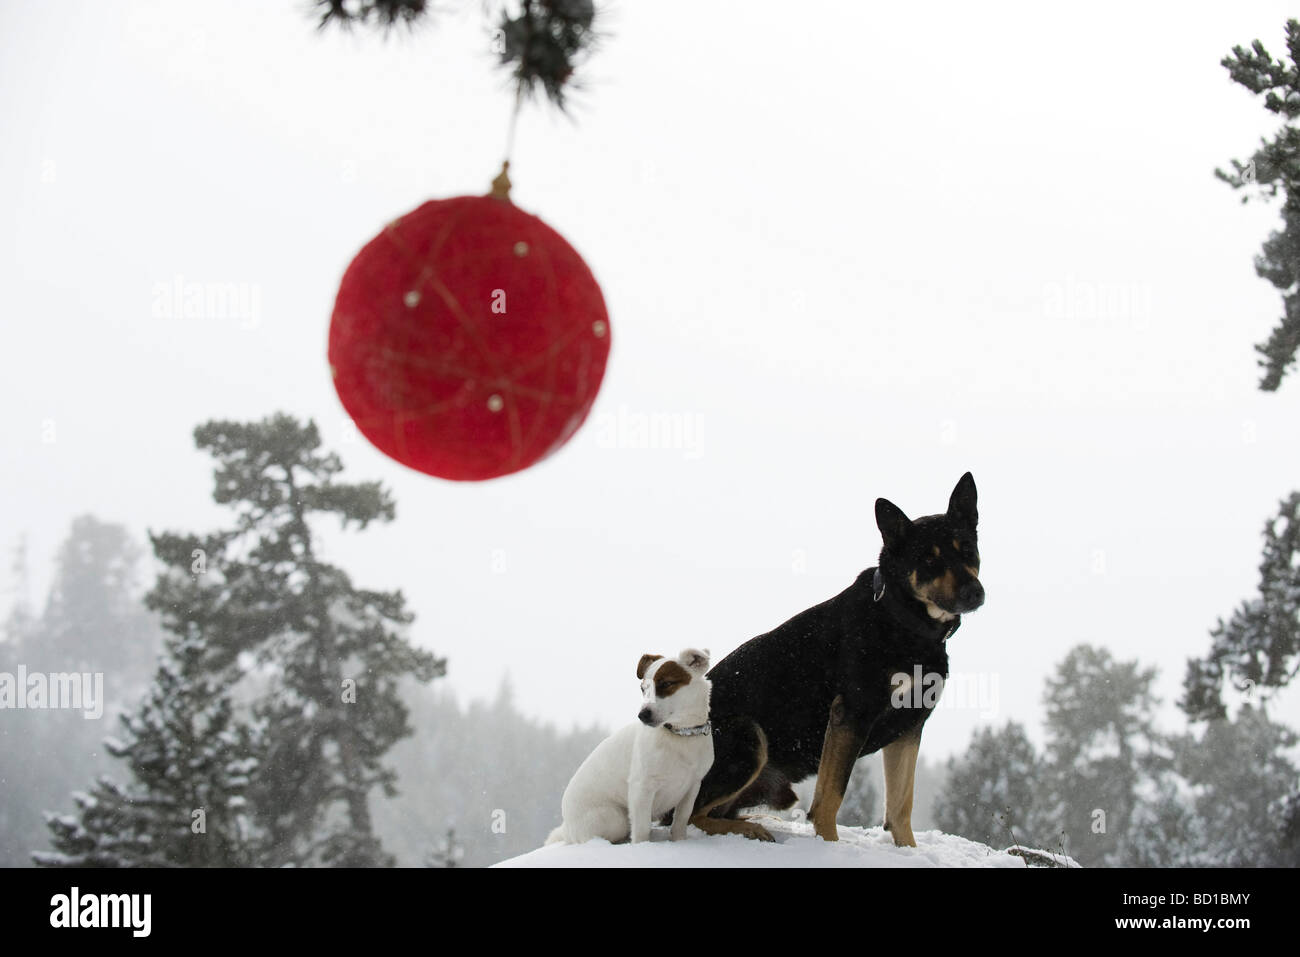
pixel 943 588
pixel 936 593
pixel 669 678
pixel 937 553
pixel 645 662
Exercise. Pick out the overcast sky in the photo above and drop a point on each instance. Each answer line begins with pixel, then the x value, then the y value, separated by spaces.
pixel 850 254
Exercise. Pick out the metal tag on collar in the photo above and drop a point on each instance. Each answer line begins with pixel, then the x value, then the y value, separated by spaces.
pixel 878 585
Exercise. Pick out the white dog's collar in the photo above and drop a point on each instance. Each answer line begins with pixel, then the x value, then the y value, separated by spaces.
pixel 705 728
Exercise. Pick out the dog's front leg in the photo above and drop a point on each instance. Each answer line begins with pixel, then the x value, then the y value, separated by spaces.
pixel 639 801
pixel 840 748
pixel 682 815
pixel 900 773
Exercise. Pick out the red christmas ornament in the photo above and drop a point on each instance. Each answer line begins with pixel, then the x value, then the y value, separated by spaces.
pixel 468 339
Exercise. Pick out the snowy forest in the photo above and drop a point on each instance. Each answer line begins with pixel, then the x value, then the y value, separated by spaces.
pixel 280 717
pixel 833 284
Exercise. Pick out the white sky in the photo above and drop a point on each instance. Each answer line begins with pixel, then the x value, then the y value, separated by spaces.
pixel 855 253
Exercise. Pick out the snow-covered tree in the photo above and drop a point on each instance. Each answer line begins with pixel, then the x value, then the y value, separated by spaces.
pixel 484 770
pixel 190 763
pixel 446 852
pixel 1240 779
pixel 92 622
pixel 1288 813
pixel 323 657
pixel 992 793
pixel 1258 648
pixel 1163 828
pixel 862 805
pixel 1275 167
pixel 20 622
pixel 1102 746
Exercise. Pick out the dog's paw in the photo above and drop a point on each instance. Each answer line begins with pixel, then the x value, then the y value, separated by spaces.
pixel 711 825
pixel 755 831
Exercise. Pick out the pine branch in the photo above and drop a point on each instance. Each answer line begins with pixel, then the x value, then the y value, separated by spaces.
pixel 1274 168
pixel 542 42
pixel 384 13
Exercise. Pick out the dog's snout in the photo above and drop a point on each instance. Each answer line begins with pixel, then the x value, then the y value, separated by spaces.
pixel 645 716
pixel 971 594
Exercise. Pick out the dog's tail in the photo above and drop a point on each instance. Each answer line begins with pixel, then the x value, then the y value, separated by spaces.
pixel 556 836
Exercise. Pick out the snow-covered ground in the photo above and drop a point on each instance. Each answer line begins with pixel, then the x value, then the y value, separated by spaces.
pixel 796 846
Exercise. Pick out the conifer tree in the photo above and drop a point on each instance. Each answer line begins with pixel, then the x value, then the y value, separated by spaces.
pixel 862 805
pixel 190 763
pixel 322 657
pixel 1257 650
pixel 92 620
pixel 541 42
pixel 1274 168
pixel 991 793
pixel 1240 779
pixel 92 624
pixel 1102 749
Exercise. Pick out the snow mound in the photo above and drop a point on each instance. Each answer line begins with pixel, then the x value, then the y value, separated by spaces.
pixel 796 846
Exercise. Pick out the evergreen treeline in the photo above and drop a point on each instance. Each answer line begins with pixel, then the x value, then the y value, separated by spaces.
pixel 1111 789
pixel 264 734
pixel 288 720
pixel 483 772
pixel 93 623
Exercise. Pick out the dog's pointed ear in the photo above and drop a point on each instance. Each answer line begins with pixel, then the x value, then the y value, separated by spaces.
pixel 693 659
pixel 645 662
pixel 961 506
pixel 891 521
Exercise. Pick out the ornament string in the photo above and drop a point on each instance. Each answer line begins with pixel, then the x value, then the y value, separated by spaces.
pixel 514 120
pixel 501 185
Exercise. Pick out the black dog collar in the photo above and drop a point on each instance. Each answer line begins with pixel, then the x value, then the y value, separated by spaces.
pixel 908 618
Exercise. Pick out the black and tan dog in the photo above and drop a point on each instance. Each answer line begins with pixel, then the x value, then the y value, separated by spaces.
pixel 838 681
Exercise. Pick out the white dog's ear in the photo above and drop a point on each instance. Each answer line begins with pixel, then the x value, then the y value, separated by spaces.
pixel 645 662
pixel 695 660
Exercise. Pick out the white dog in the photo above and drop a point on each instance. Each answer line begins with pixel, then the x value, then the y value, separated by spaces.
pixel 644 770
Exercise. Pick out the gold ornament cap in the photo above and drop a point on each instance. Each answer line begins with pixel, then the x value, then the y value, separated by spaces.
pixel 501 185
